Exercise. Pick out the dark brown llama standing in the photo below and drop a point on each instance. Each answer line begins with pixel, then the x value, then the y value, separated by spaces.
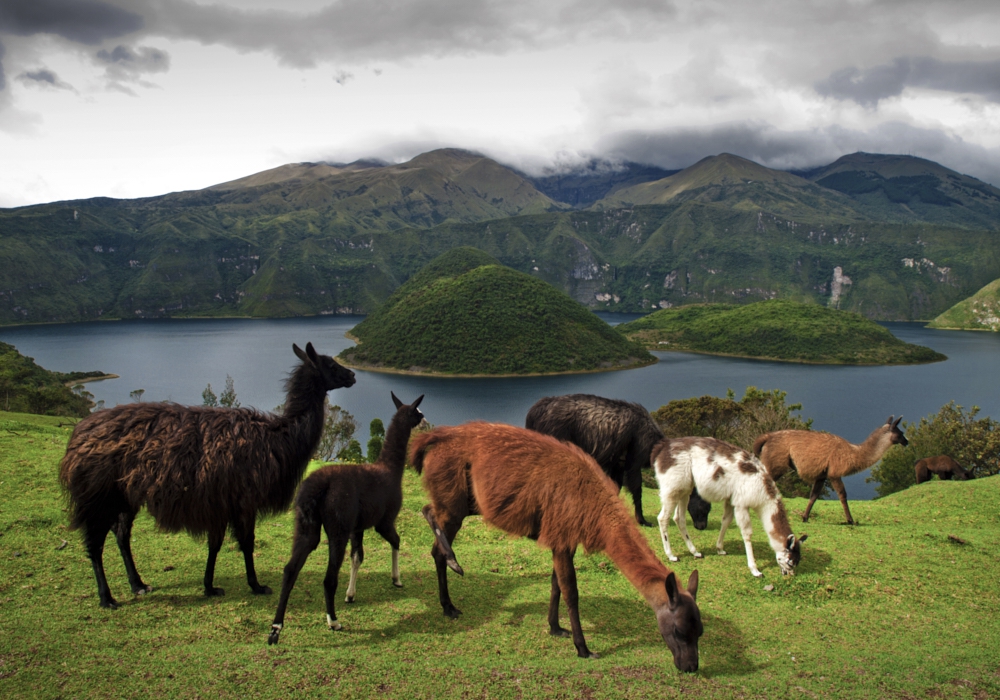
pixel 618 434
pixel 533 485
pixel 942 465
pixel 345 500
pixel 194 468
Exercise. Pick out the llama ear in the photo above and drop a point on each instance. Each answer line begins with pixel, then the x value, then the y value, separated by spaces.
pixel 889 422
pixel 803 538
pixel 395 401
pixel 672 595
pixel 311 352
pixel 896 424
pixel 693 584
pixel 790 542
pixel 299 354
pixel 417 402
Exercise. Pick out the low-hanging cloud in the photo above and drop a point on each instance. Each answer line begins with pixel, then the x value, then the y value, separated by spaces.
pixel 43 77
pixel 127 64
pixel 83 21
pixel 867 87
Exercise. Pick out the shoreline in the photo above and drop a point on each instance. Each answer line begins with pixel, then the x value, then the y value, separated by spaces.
pixel 87 380
pixel 443 375
pixel 799 362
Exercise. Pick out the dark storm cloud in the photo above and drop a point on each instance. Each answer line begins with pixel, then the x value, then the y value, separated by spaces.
pixel 867 87
pixel 45 78
pixel 127 63
pixel 785 150
pixel 83 21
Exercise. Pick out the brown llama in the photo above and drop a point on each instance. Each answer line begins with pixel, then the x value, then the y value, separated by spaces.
pixel 821 456
pixel 533 485
pixel 618 434
pixel 194 468
pixel 345 500
pixel 942 465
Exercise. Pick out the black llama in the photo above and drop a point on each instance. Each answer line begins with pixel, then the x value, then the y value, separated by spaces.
pixel 618 434
pixel 345 500
pixel 194 468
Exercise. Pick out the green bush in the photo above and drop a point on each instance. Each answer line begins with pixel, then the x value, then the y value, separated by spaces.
pixel 973 443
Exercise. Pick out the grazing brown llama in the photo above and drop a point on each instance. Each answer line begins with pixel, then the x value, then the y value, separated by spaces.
pixel 345 500
pixel 821 456
pixel 942 465
pixel 723 473
pixel 194 468
pixel 618 434
pixel 535 486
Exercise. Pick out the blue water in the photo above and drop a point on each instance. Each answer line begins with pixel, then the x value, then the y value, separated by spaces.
pixel 175 359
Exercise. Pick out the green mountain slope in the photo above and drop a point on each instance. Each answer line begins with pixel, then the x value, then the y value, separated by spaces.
pixel 489 320
pixel 776 330
pixel 25 387
pixel 980 312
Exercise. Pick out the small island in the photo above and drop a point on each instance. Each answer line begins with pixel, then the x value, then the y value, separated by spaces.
pixel 785 331
pixel 980 312
pixel 464 314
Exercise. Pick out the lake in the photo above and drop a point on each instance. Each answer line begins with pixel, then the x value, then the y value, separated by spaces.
pixel 175 359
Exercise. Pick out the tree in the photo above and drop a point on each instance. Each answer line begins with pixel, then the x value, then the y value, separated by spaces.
pixel 338 431
pixel 973 443
pixel 136 394
pixel 377 432
pixel 352 453
pixel 228 396
pixel 208 397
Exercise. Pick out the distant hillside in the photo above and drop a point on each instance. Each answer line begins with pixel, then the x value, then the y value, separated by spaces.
pixel 489 320
pixel 980 312
pixel 776 330
pixel 596 180
pixel 27 388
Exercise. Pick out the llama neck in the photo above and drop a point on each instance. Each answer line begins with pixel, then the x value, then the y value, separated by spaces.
pixel 775 520
pixel 303 416
pixel 872 449
pixel 393 454
pixel 631 553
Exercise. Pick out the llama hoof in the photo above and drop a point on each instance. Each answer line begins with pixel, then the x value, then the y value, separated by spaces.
pixel 142 590
pixel 349 599
pixel 560 632
pixel 110 604
pixel 272 638
pixel 455 566
pixel 756 573
pixel 699 555
pixel 452 612
pixel 262 590
pixel 333 624
pixel 397 584
pixel 587 654
pixel 213 592
pixel 721 552
pixel 671 557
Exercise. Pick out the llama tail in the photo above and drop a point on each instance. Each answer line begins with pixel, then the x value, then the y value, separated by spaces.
pixel 419 445
pixel 758 444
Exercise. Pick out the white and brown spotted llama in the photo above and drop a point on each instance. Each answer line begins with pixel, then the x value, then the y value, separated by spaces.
pixel 723 473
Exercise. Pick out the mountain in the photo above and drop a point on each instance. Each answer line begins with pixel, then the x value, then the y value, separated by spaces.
pixel 319 238
pixel 781 330
pixel 595 180
pixel 488 320
pixel 980 312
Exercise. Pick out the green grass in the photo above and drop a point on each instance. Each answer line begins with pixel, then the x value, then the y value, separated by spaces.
pixel 890 608
pixel 980 312
pixel 776 330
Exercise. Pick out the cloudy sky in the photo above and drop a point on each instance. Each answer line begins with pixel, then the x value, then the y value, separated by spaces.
pixel 129 98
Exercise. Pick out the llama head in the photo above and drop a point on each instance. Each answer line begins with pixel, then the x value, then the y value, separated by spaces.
pixel 896 436
pixel 333 375
pixel 680 622
pixel 699 509
pixel 411 416
pixel 791 555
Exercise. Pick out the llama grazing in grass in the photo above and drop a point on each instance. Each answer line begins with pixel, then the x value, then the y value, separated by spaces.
pixel 618 434
pixel 194 468
pixel 723 472
pixel 821 456
pixel 345 500
pixel 942 465
pixel 535 486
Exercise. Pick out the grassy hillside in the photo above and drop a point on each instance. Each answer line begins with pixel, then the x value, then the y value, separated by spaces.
pixel 891 608
pixel 980 312
pixel 24 386
pixel 487 320
pixel 776 330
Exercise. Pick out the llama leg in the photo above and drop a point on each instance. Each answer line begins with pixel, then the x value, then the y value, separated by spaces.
pixel 214 545
pixel 633 482
pixel 838 486
pixel 338 546
pixel 95 532
pixel 663 519
pixel 304 543
pixel 680 517
pixel 817 489
pixel 357 557
pixel 563 564
pixel 246 536
pixel 727 518
pixel 390 535
pixel 554 628
pixel 442 540
pixel 123 533
pixel 746 529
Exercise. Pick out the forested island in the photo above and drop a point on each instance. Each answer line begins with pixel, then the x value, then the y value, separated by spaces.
pixel 786 331
pixel 467 315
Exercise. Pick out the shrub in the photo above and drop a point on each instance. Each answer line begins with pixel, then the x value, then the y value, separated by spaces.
pixel 973 443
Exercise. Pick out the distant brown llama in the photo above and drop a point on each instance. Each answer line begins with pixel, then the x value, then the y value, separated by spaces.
pixel 821 456
pixel 942 465
pixel 344 500
pixel 194 468
pixel 535 486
